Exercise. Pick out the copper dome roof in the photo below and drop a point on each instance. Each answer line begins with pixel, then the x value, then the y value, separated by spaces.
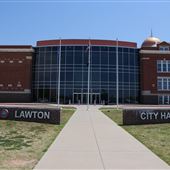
pixel 151 42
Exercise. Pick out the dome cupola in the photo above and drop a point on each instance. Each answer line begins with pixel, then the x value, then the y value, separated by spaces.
pixel 151 41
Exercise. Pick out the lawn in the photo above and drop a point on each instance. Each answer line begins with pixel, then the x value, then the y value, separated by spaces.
pixel 22 144
pixel 156 137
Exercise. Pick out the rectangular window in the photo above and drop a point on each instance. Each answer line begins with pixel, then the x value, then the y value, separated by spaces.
pixel 159 84
pixel 163 66
pixel 168 65
pixel 165 87
pixel 160 99
pixel 164 99
pixel 159 68
pixel 164 48
pixel 163 83
pixel 169 83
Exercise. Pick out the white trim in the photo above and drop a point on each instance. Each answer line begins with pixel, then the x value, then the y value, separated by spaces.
pixel 14 92
pixel 155 94
pixel 16 50
pixel 28 57
pixel 153 52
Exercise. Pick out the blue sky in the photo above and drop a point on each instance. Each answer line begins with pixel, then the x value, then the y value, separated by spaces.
pixel 26 22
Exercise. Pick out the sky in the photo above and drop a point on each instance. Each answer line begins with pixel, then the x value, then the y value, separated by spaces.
pixel 25 22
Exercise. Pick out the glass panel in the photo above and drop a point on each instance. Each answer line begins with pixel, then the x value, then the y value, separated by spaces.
pixel 95 58
pixel 165 84
pixel 112 58
pixel 164 66
pixel 78 58
pixel 104 76
pixel 169 66
pixel 166 100
pixel 159 84
pixel 95 76
pixel 77 76
pixel 160 100
pixel 159 66
pixel 69 76
pixel 104 58
pixel 55 58
pixel 69 57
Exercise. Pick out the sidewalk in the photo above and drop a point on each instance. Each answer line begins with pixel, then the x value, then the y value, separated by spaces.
pixel 90 140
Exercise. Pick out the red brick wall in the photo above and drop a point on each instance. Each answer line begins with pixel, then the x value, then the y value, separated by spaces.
pixel 149 73
pixel 85 42
pixel 18 71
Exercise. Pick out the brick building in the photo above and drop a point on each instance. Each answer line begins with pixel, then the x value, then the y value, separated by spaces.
pixel 155 71
pixel 15 73
pixel 30 74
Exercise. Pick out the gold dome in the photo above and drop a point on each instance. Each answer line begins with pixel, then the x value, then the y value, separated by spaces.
pixel 151 42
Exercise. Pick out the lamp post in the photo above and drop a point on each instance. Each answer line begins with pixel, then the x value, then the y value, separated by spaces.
pixel 88 88
pixel 117 75
pixel 59 70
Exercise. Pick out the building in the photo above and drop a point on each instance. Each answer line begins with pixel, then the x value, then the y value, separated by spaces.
pixel 74 71
pixel 15 73
pixel 155 71
pixel 30 74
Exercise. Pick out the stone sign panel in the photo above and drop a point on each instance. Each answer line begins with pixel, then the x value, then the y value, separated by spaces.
pixel 47 115
pixel 145 116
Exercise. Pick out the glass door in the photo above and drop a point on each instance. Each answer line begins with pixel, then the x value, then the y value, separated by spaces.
pixel 77 98
pixel 95 98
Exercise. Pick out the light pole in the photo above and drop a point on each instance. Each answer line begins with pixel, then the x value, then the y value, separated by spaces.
pixel 117 75
pixel 59 70
pixel 88 88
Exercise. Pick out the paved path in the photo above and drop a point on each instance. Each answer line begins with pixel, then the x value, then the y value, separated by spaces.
pixel 90 140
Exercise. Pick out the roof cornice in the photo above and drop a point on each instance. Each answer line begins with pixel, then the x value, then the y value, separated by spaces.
pixel 154 52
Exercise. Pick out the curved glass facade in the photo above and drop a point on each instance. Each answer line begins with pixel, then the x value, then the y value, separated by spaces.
pixel 74 74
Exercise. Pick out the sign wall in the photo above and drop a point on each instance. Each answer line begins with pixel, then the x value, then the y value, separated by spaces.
pixel 31 115
pixel 145 116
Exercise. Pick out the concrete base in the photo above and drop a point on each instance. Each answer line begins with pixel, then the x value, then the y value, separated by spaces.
pixel 149 99
pixel 15 97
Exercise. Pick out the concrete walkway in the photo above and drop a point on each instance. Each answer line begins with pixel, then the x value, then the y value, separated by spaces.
pixel 90 140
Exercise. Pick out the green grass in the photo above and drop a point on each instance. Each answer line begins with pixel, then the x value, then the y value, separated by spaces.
pixel 22 144
pixel 156 136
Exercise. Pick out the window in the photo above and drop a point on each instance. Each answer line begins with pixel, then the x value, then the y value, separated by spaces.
pixel 78 58
pixel 164 99
pixel 159 84
pixel 74 73
pixel 159 68
pixel 164 48
pixel 163 83
pixel 168 65
pixel 69 57
pixel 160 99
pixel 163 66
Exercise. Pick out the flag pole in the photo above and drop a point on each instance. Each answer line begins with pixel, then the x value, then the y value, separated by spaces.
pixel 59 70
pixel 88 88
pixel 117 75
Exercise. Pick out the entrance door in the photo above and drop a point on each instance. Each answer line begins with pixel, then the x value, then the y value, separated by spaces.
pixel 95 98
pixel 81 98
pixel 77 98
